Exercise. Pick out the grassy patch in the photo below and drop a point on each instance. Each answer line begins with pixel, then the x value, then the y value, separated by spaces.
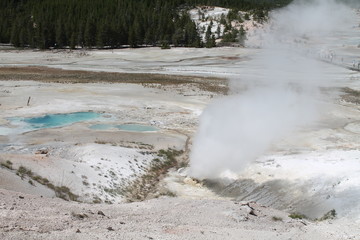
pixel 41 180
pixel 183 164
pixel 139 189
pixel 276 219
pixel 23 171
pixel 8 164
pixel 101 142
pixel 351 95
pixel 137 145
pixel 351 91
pixel 168 193
pixel 297 216
pixel 44 74
pixel 113 191
pixel 65 193
pixel 60 191
pixel 327 216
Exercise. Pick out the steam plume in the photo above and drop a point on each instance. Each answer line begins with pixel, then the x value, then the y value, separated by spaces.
pixel 280 96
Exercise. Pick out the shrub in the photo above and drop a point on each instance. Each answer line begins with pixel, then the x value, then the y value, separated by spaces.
pixel 329 215
pixel 65 193
pixel 276 219
pixel 80 216
pixel 7 164
pixel 61 192
pixel 140 188
pixel 165 45
pixel 23 171
pixel 297 216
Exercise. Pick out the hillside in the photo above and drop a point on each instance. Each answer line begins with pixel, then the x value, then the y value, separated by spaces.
pixel 112 24
pixel 154 219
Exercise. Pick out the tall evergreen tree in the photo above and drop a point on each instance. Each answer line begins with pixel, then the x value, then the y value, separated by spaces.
pixel 60 35
pixel 242 36
pixel 90 33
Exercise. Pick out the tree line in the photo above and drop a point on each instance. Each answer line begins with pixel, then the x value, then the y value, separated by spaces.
pixel 108 23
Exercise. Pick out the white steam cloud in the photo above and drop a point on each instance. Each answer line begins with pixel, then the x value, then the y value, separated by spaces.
pixel 281 93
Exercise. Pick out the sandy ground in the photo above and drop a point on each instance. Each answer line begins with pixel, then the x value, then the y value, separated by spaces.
pixel 26 216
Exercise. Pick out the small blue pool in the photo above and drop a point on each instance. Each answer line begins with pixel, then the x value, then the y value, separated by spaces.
pixel 125 127
pixel 101 126
pixel 21 125
pixel 136 128
pixel 53 120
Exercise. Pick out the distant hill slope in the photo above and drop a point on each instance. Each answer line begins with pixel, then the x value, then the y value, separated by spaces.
pixel 110 23
pixel 224 26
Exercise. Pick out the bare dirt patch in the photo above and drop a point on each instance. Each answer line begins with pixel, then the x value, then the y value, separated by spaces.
pixel 45 74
